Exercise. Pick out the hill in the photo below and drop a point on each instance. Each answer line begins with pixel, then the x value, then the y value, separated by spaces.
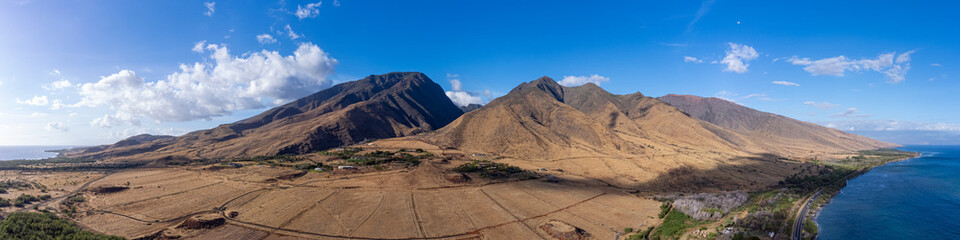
pixel 378 106
pixel 773 133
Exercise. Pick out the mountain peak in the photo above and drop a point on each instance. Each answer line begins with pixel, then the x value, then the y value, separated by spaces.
pixel 543 84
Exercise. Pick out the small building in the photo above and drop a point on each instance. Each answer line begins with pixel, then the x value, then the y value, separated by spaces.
pixel 236 165
pixel 318 169
pixel 346 167
pixel 479 155
pixel 543 169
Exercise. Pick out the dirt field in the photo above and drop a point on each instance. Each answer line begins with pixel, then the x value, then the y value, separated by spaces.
pixel 399 204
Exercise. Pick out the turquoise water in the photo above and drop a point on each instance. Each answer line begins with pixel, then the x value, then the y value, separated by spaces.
pixel 913 199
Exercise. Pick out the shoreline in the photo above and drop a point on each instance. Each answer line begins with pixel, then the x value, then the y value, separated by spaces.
pixel 816 210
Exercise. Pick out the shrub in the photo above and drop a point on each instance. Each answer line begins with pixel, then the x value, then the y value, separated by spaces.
pixel 5 203
pixel 674 223
pixel 45 225
pixel 664 209
pixel 489 169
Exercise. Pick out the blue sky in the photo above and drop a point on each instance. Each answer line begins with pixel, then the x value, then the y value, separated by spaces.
pixel 93 72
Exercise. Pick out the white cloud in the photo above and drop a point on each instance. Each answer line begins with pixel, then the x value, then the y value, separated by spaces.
pixel 266 39
pixel 35 101
pixel 310 11
pixel 821 105
pixel 692 59
pixel 850 113
pixel 785 83
pixel 57 104
pixel 458 95
pixel 571 81
pixel 210 8
pixel 936 65
pixel 56 126
pixel 456 85
pixel 894 68
pixel 39 115
pixel 55 73
pixel 1 83
pixel 63 83
pixel 205 90
pixel 290 33
pixel 904 57
pixel 463 98
pixel 890 125
pixel 107 121
pixel 737 57
pixel 198 47
pixel 336 3
pixel 734 97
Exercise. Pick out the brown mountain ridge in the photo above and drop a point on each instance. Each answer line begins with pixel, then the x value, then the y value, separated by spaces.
pixel 376 107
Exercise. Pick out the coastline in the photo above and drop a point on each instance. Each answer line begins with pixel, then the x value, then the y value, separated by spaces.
pixel 827 197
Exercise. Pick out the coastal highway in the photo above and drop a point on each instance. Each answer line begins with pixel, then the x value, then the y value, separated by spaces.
pixel 798 223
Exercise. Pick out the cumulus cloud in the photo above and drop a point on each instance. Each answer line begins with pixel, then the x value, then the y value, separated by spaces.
pixel 463 98
pixel 107 121
pixel 893 66
pixel 290 33
pixel 692 59
pixel 266 39
pixel 738 57
pixel 850 113
pixel 821 105
pixel 458 95
pixel 572 81
pixel 35 101
pixel 63 83
pixel 198 47
pixel 56 126
pixel 205 90
pixel 310 11
pixel 785 83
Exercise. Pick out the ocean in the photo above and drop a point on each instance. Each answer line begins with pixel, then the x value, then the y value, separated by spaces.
pixel 913 199
pixel 28 152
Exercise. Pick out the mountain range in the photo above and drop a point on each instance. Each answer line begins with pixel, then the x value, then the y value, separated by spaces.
pixel 538 121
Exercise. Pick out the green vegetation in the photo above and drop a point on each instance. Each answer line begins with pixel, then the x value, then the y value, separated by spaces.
pixel 69 205
pixel 5 203
pixel 664 209
pixel 810 227
pixel 382 157
pixel 25 199
pixel 640 235
pixel 628 230
pixel 43 226
pixel 63 164
pixel 493 170
pixel 19 185
pixel 673 225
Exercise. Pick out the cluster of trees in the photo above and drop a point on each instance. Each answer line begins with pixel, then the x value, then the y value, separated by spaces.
pixel 489 169
pixel 44 226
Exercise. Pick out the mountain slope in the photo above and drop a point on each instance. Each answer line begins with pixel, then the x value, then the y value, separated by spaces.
pixel 773 133
pixel 378 106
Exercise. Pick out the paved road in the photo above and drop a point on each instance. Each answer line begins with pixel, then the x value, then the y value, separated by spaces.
pixel 798 223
